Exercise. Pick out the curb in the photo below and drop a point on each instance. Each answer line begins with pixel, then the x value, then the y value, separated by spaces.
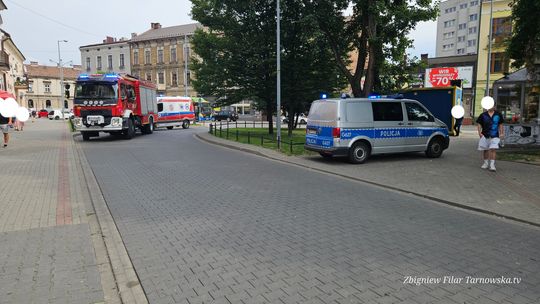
pixel 115 264
pixel 438 200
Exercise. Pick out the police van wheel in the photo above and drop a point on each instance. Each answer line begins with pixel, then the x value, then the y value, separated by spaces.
pixel 435 148
pixel 359 153
pixel 185 124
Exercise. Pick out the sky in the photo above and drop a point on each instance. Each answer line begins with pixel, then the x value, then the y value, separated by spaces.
pixel 36 26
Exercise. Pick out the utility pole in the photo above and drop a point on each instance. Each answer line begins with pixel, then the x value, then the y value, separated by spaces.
pixel 278 75
pixel 61 66
pixel 186 64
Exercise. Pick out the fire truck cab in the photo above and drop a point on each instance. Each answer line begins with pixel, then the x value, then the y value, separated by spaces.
pixel 115 104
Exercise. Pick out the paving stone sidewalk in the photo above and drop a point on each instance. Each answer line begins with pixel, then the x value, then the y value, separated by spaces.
pixel 455 178
pixel 50 238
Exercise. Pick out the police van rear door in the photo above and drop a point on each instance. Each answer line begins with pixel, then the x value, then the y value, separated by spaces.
pixel 322 124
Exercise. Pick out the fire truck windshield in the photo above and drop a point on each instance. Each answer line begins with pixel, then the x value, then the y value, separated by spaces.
pixel 103 91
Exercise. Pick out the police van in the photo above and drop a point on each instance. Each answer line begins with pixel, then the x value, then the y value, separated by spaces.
pixel 360 127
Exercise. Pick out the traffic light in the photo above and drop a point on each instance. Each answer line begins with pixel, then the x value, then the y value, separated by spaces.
pixel 67 86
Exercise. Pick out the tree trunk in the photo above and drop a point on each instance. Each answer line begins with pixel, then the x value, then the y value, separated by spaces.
pixel 269 114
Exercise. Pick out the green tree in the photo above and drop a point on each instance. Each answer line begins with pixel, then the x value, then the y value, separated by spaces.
pixel 236 54
pixel 524 46
pixel 376 29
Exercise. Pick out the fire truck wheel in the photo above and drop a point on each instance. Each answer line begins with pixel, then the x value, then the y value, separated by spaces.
pixel 85 136
pixel 185 124
pixel 149 128
pixel 130 132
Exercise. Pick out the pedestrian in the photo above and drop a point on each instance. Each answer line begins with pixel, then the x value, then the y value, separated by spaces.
pixel 490 130
pixel 457 125
pixel 5 125
pixel 33 115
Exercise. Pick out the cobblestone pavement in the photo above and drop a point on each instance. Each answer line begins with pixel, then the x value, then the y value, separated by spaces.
pixel 513 191
pixel 205 224
pixel 46 253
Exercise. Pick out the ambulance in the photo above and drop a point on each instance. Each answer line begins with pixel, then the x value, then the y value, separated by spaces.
pixel 175 112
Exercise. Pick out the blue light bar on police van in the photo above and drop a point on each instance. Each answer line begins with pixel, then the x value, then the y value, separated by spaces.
pixel 83 76
pixel 324 96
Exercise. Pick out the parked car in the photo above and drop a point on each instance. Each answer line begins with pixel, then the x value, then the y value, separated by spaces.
pixel 43 113
pixel 227 115
pixel 60 114
pixel 302 119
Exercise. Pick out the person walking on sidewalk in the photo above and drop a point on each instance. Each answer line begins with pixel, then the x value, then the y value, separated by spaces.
pixel 490 130
pixel 457 125
pixel 5 125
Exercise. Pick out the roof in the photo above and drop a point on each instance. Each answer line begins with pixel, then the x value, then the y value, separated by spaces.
pixel 44 71
pixel 2 5
pixel 167 32
pixel 8 37
pixel 105 44
pixel 517 76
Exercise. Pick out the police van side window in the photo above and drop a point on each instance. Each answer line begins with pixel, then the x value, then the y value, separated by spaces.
pixel 358 112
pixel 416 112
pixel 387 111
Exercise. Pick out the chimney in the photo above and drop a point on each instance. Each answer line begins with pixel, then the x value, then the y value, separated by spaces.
pixel 109 40
pixel 133 35
pixel 155 26
pixel 33 63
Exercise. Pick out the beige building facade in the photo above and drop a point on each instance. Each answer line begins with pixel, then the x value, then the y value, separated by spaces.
pixel 159 55
pixel 44 90
pixel 14 78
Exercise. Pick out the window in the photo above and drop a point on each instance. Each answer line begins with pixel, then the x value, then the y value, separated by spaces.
pixel 463 6
pixel 99 62
pixel 88 68
pixel 161 77
pixel 462 26
pixel 30 103
pixel 135 57
pixel 461 39
pixel 357 112
pixel 448 35
pixel 474 3
pixel 147 57
pixel 450 23
pixel 30 87
pixel 447 47
pixel 471 43
pixel 450 10
pixel 109 61
pixel 502 29
pixel 473 17
pixel 174 77
pixel 173 54
pixel 160 55
pixel 160 107
pixel 148 76
pixel 461 51
pixel 47 87
pixel 47 103
pixel 387 111
pixel 472 30
pixel 416 112
pixel 122 61
pixel 499 63
pixel 188 78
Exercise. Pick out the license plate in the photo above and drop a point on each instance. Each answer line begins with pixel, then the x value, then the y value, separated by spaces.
pixel 95 119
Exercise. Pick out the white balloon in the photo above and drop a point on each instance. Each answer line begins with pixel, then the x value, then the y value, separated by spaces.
pixel 458 111
pixel 8 108
pixel 487 102
pixel 22 114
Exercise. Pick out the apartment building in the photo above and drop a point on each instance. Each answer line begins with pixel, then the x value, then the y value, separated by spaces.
pixel 160 55
pixel 458 28
pixel 111 56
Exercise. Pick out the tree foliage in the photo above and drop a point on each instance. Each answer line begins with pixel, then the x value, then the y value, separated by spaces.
pixel 236 54
pixel 524 44
pixel 376 29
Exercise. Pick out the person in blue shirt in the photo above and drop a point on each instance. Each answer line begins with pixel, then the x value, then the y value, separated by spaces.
pixel 490 130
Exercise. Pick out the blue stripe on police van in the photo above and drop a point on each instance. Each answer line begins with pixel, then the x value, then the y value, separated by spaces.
pixel 390 132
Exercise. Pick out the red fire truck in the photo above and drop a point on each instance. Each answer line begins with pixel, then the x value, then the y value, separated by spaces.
pixel 115 104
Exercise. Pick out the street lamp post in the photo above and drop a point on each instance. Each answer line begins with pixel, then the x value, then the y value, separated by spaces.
pixel 278 76
pixel 486 93
pixel 186 65
pixel 60 65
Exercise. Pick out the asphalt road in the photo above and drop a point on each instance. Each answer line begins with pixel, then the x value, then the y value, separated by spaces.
pixel 207 224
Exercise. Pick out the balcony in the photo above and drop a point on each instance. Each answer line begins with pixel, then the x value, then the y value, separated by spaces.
pixel 4 61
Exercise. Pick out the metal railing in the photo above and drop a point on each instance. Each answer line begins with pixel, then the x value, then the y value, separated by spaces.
pixel 221 129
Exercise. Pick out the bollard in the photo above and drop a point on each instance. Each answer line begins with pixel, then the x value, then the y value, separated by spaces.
pixel 236 135
pixel 262 141
pixel 220 131
pixel 211 129
pixel 290 146
pixel 227 132
pixel 249 139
